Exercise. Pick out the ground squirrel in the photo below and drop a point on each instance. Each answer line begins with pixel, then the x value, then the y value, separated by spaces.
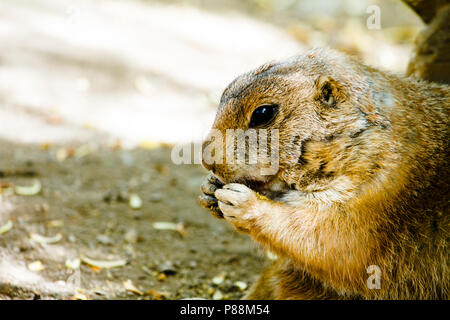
pixel 363 179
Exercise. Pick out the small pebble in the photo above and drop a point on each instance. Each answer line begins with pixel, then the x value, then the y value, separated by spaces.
pixel 167 268
pixel 218 279
pixel 73 263
pixel 36 266
pixel 104 239
pixel 217 295
pixel 241 285
pixel 162 277
pixel 135 201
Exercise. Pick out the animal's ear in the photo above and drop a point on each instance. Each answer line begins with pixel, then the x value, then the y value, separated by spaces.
pixel 329 91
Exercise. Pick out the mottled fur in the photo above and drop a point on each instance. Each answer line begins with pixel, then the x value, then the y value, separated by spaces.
pixel 363 180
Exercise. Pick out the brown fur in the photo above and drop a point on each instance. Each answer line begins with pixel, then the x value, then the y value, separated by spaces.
pixel 362 181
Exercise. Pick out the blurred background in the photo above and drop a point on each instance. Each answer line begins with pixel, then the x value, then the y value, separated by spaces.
pixel 92 96
pixel 154 70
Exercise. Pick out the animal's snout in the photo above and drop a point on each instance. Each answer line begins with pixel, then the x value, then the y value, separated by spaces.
pixel 207 162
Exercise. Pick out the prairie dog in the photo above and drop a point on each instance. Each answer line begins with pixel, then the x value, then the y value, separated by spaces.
pixel 363 179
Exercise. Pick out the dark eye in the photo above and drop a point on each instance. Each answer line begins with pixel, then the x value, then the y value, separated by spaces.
pixel 263 115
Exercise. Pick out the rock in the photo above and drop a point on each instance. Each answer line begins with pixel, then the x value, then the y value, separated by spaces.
pixel 135 201
pixel 156 197
pixel 217 280
pixel 217 295
pixel 167 268
pixel 241 285
pixel 104 239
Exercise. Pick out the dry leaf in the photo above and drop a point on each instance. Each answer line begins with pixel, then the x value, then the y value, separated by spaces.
pixel 157 295
pixel 106 264
pixel 79 296
pixel 129 286
pixel 6 227
pixel 36 266
pixel 32 190
pixel 45 240
pixel 165 226
pixel 73 263
pixel 162 225
pixel 181 230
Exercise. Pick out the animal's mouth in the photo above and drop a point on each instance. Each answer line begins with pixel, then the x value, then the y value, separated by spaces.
pixel 258 185
pixel 270 184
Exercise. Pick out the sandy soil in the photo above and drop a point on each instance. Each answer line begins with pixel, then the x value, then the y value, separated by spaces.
pixel 86 200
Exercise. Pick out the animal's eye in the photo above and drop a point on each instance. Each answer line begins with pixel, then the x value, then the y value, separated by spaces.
pixel 327 95
pixel 263 115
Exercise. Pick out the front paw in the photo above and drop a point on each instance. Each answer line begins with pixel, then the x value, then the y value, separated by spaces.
pixel 207 199
pixel 238 204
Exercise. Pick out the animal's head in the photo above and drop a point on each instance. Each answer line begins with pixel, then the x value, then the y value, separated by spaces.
pixel 317 112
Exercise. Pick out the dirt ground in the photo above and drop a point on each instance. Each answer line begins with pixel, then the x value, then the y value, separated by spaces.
pixel 92 94
pixel 86 200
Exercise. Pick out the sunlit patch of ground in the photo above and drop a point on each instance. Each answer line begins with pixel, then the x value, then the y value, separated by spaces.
pixel 123 68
